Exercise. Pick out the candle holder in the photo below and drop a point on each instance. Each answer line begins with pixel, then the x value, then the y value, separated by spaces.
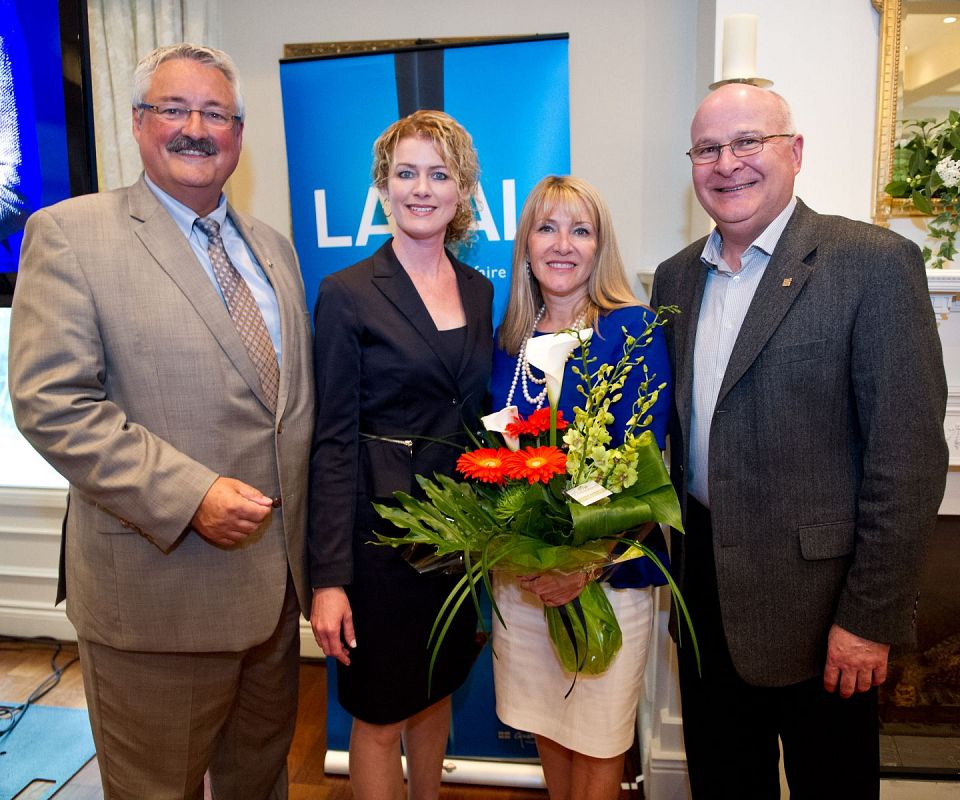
pixel 762 83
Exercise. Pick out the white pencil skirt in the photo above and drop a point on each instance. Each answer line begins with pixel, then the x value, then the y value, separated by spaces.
pixel 598 718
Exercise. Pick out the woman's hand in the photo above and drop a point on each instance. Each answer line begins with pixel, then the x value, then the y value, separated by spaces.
pixel 332 623
pixel 556 588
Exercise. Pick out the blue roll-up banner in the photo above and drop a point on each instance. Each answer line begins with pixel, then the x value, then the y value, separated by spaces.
pixel 512 95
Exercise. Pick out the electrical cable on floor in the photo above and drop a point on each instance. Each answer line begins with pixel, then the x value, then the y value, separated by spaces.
pixel 10 716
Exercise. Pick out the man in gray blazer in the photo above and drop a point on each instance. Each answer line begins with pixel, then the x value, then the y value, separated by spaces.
pixel 807 447
pixel 160 360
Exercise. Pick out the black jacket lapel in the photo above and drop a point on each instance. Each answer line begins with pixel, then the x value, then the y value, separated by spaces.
pixel 390 278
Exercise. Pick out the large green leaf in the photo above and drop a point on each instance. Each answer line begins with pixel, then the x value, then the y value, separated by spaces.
pixel 917 161
pixel 651 499
pixel 898 188
pixel 921 203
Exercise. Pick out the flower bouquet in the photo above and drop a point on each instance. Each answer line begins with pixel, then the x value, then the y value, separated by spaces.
pixel 530 505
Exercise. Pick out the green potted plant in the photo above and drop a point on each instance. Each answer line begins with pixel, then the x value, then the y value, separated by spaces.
pixel 926 171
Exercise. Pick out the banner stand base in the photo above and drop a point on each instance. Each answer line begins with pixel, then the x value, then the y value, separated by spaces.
pixel 461 770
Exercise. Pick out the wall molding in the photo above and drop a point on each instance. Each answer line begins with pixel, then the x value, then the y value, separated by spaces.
pixel 944 286
pixel 659 727
pixel 30 522
pixel 28 619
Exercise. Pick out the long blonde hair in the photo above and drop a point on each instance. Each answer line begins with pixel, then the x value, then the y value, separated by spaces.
pixel 607 288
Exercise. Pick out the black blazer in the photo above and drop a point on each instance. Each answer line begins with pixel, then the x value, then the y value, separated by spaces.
pixel 379 373
pixel 827 452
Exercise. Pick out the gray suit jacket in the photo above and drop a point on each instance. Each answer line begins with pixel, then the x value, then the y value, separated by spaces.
pixel 827 452
pixel 129 377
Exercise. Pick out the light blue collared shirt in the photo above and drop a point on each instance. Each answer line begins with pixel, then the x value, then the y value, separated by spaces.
pixel 240 254
pixel 726 298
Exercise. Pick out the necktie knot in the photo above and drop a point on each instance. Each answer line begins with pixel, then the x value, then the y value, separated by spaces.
pixel 210 227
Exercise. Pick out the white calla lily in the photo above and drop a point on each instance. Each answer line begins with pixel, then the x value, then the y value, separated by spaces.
pixel 498 422
pixel 550 353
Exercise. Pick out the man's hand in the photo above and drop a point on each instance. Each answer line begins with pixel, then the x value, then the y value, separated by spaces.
pixel 230 511
pixel 330 615
pixel 555 588
pixel 853 663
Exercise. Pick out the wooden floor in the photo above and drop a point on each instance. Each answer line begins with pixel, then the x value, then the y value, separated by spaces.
pixel 24 665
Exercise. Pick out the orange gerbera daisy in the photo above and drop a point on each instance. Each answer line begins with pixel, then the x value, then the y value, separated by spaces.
pixel 485 465
pixel 538 422
pixel 536 464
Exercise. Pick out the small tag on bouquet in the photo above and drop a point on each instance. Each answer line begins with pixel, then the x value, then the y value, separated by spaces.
pixel 586 494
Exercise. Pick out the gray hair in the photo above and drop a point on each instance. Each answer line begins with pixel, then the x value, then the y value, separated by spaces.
pixel 786 115
pixel 210 56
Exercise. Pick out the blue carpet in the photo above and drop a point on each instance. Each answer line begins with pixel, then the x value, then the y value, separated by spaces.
pixel 49 744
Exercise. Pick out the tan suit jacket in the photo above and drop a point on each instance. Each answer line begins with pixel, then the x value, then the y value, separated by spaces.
pixel 129 377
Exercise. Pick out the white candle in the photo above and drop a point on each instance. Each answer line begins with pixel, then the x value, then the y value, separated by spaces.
pixel 739 46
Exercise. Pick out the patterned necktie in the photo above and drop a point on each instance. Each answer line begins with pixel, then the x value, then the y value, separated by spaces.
pixel 244 312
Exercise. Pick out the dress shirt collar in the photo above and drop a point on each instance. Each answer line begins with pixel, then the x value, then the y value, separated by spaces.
pixel 183 215
pixel 765 243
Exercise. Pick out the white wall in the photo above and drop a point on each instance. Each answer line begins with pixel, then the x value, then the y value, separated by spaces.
pixel 822 56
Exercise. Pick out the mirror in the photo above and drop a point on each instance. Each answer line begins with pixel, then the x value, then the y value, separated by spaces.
pixel 919 79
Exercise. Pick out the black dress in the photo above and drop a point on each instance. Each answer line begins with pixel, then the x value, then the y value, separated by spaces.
pixel 385 376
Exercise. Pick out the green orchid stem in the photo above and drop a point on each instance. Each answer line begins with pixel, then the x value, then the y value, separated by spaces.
pixel 586 378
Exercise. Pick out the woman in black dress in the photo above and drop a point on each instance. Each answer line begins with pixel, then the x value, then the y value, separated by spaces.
pixel 402 351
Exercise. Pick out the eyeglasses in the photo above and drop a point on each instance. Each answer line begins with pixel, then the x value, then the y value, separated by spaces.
pixel 744 146
pixel 212 118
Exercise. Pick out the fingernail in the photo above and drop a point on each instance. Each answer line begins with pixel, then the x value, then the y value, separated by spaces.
pixel 353 643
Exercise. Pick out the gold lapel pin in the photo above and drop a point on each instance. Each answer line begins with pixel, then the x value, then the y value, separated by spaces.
pixel 787 281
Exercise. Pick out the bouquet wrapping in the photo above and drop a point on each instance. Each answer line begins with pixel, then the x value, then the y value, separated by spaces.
pixel 530 505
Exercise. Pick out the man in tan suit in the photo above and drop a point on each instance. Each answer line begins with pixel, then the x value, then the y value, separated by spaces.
pixel 160 361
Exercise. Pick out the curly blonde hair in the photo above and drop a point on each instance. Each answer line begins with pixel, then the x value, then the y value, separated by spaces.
pixel 607 287
pixel 456 148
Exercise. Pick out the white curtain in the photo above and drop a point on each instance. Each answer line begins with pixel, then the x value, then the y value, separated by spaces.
pixel 121 33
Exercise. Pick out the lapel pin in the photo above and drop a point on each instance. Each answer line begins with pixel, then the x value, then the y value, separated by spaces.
pixel 787 281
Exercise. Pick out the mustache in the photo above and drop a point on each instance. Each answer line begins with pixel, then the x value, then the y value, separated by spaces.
pixel 183 142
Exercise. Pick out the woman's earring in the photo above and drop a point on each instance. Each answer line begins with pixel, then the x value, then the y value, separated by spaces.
pixel 526 263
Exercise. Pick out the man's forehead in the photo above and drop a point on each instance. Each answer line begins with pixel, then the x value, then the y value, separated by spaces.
pixel 732 117
pixel 186 79
pixel 187 70
pixel 726 133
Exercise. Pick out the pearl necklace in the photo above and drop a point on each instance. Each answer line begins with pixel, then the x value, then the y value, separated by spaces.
pixel 522 373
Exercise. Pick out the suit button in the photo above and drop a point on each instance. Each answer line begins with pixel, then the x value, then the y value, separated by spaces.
pixel 279 427
pixel 277 501
pixel 454 401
